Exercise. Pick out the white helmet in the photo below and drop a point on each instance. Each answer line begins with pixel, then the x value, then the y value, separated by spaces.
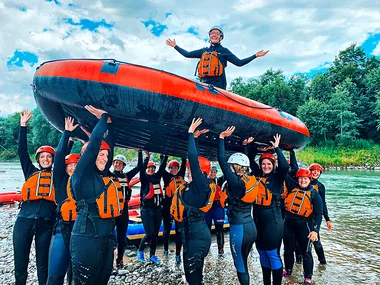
pixel 239 158
pixel 121 158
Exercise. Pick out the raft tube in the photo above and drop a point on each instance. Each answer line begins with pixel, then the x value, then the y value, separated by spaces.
pixel 9 197
pixel 152 109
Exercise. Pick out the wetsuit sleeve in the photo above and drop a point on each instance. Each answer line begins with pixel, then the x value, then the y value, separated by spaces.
pixel 199 179
pixel 86 165
pixel 293 163
pixel 70 145
pixel 161 170
pixel 132 173
pixel 235 184
pixel 190 54
pixel 182 170
pixel 317 210
pixel 26 164
pixel 197 145
pixel 59 170
pixel 322 193
pixel 255 169
pixel 109 139
pixel 236 61
pixel 283 166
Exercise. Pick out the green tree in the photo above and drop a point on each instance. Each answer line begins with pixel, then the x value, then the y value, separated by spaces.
pixel 321 88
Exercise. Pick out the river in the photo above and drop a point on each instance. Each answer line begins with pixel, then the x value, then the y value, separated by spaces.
pixel 351 248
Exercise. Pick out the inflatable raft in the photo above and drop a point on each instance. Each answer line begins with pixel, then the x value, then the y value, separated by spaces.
pixel 152 109
pixel 9 197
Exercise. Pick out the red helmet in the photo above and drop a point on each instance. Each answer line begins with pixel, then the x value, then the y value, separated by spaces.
pixel 173 163
pixel 103 146
pixel 45 148
pixel 72 158
pixel 303 172
pixel 316 166
pixel 269 156
pixel 204 164
pixel 151 164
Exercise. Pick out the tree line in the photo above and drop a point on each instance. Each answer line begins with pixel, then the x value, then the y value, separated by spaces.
pixel 340 106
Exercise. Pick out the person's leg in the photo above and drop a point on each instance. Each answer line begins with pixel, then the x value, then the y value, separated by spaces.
pixel 148 224
pixel 178 239
pixel 23 233
pixel 167 220
pixel 289 246
pixel 305 246
pixel 59 259
pixel 319 250
pixel 219 222
pixel 105 260
pixel 121 229
pixel 156 217
pixel 43 236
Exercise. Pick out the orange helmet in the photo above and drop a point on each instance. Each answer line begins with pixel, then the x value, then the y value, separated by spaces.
pixel 269 156
pixel 316 166
pixel 151 164
pixel 303 172
pixel 72 158
pixel 45 148
pixel 204 164
pixel 103 146
pixel 173 163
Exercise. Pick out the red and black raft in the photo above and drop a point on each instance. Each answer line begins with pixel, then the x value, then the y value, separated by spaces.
pixel 152 109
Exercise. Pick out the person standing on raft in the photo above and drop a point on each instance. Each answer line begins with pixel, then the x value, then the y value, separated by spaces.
pixel 213 59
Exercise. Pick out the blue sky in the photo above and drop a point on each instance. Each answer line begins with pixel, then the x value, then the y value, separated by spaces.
pixel 302 36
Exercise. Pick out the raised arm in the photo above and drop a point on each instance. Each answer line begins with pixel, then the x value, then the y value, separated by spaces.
pixel 240 62
pixel 189 54
pixel 26 164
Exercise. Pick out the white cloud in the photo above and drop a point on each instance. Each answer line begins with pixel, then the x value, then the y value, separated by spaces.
pixel 301 35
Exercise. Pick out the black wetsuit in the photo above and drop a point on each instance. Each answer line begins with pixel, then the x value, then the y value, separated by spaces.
pixel 122 221
pixel 269 221
pixel 224 55
pixel 322 192
pixel 297 228
pixel 242 227
pixel 59 253
pixel 166 216
pixel 35 220
pixel 92 237
pixel 151 208
pixel 196 237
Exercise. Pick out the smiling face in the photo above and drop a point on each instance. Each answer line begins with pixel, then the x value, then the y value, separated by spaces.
pixel 45 159
pixel 212 174
pixel 70 168
pixel 303 182
pixel 174 170
pixel 316 173
pixel 215 36
pixel 118 165
pixel 150 170
pixel 266 166
pixel 102 159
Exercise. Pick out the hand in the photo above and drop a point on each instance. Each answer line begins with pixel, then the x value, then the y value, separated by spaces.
pixel 313 236
pixel 96 112
pixel 171 43
pixel 261 53
pixel 195 124
pixel 69 124
pixel 276 142
pixel 197 133
pixel 248 140
pixel 25 117
pixel 86 132
pixel 329 226
pixel 264 148
pixel 147 153
pixel 227 132
pixel 109 120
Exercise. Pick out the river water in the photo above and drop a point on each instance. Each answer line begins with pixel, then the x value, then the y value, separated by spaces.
pixel 351 248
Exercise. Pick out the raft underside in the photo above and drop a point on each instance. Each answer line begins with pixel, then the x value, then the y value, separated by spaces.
pixel 151 121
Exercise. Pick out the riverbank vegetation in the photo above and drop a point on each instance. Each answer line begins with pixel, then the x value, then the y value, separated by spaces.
pixel 340 106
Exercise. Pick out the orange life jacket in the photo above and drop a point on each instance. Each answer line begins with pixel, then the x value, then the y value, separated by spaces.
pixel 264 196
pixel 69 208
pixel 111 202
pixel 210 65
pixel 174 185
pixel 299 202
pixel 251 189
pixel 315 186
pixel 177 207
pixel 39 186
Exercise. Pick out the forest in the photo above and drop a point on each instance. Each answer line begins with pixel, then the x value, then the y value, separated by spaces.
pixel 340 106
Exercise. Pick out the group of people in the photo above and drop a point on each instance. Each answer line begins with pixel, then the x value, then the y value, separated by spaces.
pixel 72 209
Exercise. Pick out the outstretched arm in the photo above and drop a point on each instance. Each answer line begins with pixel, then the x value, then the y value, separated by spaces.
pixel 240 62
pixel 189 54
